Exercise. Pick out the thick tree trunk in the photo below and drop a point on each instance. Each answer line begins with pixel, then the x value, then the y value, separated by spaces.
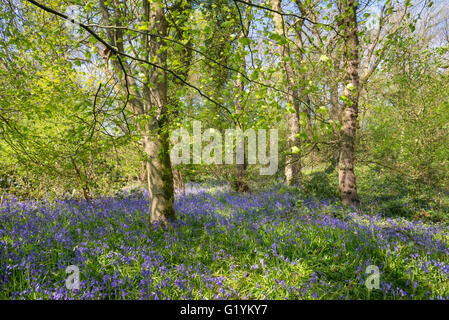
pixel 160 179
pixel 292 169
pixel 156 136
pixel 148 100
pixel 346 176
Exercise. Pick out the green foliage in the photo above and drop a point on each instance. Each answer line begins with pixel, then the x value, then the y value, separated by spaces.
pixel 320 184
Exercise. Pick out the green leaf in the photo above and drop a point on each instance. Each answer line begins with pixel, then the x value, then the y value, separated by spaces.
pixel 295 150
pixel 245 41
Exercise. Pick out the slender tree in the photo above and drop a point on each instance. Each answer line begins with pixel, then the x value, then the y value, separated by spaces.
pixel 293 161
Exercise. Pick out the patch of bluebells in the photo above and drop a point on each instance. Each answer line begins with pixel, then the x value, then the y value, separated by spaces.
pixel 266 245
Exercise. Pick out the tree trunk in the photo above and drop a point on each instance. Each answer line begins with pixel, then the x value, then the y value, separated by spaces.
pixel 156 137
pixel 160 179
pixel 336 118
pixel 84 184
pixel 292 169
pixel 346 176
pixel 177 181
pixel 149 100
pixel 241 182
